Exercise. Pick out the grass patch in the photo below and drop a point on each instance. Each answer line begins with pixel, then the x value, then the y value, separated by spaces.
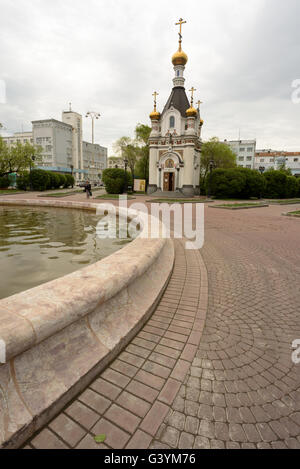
pixel 61 194
pixel 284 202
pixel 112 196
pixel 294 214
pixel 177 201
pixel 239 206
pixel 10 191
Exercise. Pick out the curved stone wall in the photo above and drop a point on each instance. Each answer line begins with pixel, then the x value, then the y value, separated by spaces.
pixel 61 334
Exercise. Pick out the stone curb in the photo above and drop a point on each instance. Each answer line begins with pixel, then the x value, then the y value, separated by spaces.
pixel 238 208
pixel 61 334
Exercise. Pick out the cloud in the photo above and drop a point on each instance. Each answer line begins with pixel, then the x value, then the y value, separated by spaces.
pixel 110 56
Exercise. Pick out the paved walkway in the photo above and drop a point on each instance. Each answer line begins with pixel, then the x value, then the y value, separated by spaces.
pixel 238 387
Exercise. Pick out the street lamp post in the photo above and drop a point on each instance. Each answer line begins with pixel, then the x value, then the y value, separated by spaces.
pixel 261 170
pixel 93 115
pixel 211 167
pixel 72 168
pixel 30 166
pixel 125 185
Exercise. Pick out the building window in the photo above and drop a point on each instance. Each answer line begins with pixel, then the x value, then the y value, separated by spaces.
pixel 172 122
pixel 296 160
pixel 242 149
pixel 241 158
pixel 249 149
pixel 262 160
pixel 249 158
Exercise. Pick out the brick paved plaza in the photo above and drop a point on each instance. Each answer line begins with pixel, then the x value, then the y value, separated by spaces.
pixel 212 368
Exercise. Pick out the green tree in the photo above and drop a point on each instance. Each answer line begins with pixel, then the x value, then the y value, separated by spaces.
pixel 126 148
pixel 218 152
pixel 142 133
pixel 18 158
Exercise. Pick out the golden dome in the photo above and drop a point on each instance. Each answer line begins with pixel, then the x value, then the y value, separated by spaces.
pixel 155 115
pixel 180 57
pixel 191 112
pixel 201 122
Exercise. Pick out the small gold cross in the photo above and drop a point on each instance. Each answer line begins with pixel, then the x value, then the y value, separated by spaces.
pixel 181 22
pixel 155 94
pixel 192 91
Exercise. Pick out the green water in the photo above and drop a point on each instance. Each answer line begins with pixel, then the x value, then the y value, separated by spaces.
pixel 40 244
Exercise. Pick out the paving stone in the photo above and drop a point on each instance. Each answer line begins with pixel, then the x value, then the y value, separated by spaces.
pixel 94 400
pixel 191 425
pixel 105 388
pixel 88 442
pixel 186 441
pixel 115 437
pixel 46 439
pixel 123 418
pixel 140 440
pixel 116 378
pixel 142 391
pixel 150 380
pixel 67 430
pixel 134 404
pixel 201 442
pixel 169 391
pixel 157 369
pixel 171 437
pixel 82 414
pixel 124 368
pixel 154 418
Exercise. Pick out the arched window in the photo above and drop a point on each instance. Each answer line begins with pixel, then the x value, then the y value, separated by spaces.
pixel 178 73
pixel 172 122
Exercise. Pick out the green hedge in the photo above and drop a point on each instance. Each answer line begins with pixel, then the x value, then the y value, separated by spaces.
pixel 114 180
pixel 242 183
pixel 4 182
pixel 41 180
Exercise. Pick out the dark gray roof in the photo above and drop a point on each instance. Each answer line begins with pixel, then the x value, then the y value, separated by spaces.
pixel 178 99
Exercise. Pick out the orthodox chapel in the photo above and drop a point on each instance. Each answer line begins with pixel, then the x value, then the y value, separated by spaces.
pixel 175 140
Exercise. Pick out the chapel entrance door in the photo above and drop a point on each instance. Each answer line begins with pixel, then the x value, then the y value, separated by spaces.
pixel 169 182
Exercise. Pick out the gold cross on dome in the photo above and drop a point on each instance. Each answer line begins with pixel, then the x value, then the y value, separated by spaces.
pixel 180 23
pixel 192 91
pixel 199 103
pixel 155 94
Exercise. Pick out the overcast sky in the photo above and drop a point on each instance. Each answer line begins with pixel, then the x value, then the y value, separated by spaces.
pixel 109 56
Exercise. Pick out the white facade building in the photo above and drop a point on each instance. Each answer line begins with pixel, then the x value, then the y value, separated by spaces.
pixel 55 138
pixel 63 149
pixel 115 162
pixel 272 159
pixel 94 160
pixel 19 137
pixel 245 152
pixel 175 140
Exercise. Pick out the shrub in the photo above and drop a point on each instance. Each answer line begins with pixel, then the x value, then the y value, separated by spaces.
pixel 276 184
pixel 254 184
pixel 227 183
pixel 4 182
pixel 69 182
pixel 40 180
pixel 23 182
pixel 114 180
pixel 61 180
pixel 54 180
pixel 291 187
pixel 298 182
